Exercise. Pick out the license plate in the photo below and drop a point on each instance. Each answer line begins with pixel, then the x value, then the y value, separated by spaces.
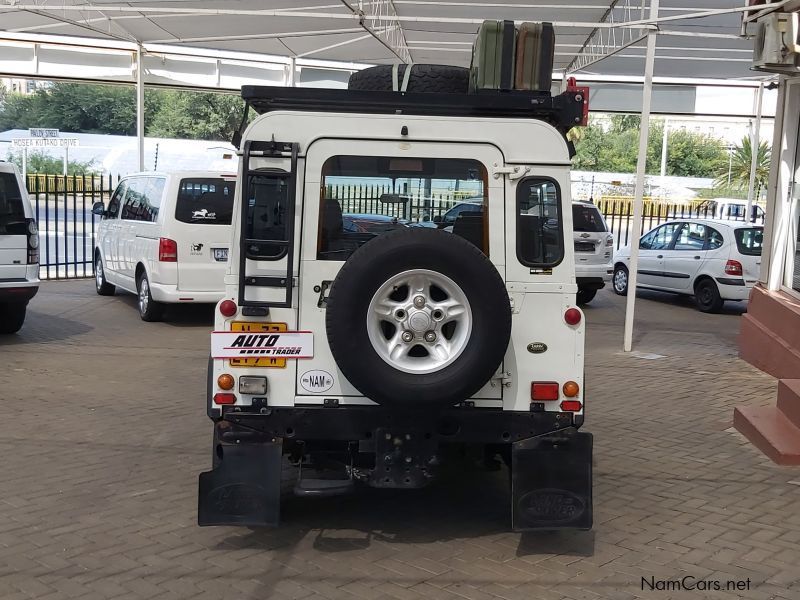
pixel 275 363
pixel 221 254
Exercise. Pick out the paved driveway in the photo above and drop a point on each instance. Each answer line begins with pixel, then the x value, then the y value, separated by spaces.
pixel 105 431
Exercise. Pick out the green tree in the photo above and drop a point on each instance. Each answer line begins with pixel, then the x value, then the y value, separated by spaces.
pixel 38 162
pixel 740 163
pixel 197 115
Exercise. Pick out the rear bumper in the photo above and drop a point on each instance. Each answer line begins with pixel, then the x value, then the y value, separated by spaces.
pixel 592 283
pixel 733 288
pixel 601 272
pixel 17 290
pixel 170 294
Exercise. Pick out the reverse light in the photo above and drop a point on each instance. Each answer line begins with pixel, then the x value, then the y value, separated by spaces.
pixel 734 267
pixel 544 390
pixel 224 399
pixel 227 308
pixel 167 250
pixel 571 406
pixel 571 389
pixel 609 241
pixel 225 381
pixel 572 316
pixel 254 386
pixel 33 243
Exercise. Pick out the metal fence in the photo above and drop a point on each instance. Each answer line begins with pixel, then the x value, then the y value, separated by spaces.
pixel 63 209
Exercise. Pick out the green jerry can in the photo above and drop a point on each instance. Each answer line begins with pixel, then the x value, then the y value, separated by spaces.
pixel 493 56
pixel 534 57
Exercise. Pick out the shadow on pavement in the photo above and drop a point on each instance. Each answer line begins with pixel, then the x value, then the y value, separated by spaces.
pixel 178 315
pixel 43 327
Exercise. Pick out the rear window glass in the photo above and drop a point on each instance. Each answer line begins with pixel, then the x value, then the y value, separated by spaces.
pixel 12 213
pixel 205 201
pixel 587 218
pixel 749 241
pixel 540 241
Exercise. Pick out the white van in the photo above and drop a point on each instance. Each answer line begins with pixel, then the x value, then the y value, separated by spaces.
pixel 730 209
pixel 165 237
pixel 19 250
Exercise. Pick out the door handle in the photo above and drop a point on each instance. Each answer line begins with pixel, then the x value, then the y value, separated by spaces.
pixel 697 258
pixel 660 256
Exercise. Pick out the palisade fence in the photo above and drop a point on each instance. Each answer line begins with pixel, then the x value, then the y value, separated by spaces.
pixel 63 209
pixel 67 227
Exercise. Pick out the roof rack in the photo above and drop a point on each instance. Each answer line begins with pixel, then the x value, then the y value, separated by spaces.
pixel 563 111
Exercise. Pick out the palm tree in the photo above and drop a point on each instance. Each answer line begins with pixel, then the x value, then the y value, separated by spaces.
pixel 739 173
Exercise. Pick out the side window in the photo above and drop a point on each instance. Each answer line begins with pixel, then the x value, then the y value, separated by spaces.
pixel 714 239
pixel 133 199
pixel 692 236
pixel 155 193
pixel 663 236
pixel 112 212
pixel 646 243
pixel 143 199
pixel 540 239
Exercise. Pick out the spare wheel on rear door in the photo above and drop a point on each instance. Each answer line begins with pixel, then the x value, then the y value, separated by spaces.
pixel 418 317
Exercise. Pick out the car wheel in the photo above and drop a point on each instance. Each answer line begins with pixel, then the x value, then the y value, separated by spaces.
pixel 620 280
pixel 418 318
pixel 149 309
pixel 706 295
pixel 100 284
pixel 443 79
pixel 13 317
pixel 584 296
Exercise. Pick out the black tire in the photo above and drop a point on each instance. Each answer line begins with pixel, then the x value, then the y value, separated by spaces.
pixel 442 79
pixel 706 296
pixel 585 295
pixel 102 286
pixel 619 281
pixel 446 255
pixel 149 309
pixel 13 316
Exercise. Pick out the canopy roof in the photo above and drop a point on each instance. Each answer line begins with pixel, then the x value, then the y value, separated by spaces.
pixel 387 31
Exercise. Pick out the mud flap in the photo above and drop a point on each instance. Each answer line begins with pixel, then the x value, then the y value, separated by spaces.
pixel 551 482
pixel 244 488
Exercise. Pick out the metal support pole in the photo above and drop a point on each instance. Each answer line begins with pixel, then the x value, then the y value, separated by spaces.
pixel 140 106
pixel 66 164
pixel 292 72
pixel 664 149
pixel 25 164
pixel 650 59
pixel 755 146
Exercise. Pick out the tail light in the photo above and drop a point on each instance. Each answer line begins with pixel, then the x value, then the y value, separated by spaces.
pixel 609 241
pixel 167 250
pixel 224 399
pixel 227 308
pixel 571 406
pixel 544 390
pixel 572 316
pixel 33 243
pixel 734 267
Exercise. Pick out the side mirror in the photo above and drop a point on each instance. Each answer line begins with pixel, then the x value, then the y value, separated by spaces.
pixel 393 199
pixel 98 208
pixel 437 218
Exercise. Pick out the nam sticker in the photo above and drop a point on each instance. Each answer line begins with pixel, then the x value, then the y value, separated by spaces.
pixel 316 382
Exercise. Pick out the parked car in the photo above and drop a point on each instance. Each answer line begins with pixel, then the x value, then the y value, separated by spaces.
pixel 594 250
pixel 19 250
pixel 469 205
pixel 165 237
pixel 714 261
pixel 731 209
pixel 369 223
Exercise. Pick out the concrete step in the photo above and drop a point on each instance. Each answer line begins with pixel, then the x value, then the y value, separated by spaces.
pixel 789 399
pixel 771 431
pixel 778 312
pixel 765 349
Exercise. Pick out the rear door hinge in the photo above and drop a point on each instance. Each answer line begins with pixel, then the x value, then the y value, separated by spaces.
pixel 512 172
pixel 502 379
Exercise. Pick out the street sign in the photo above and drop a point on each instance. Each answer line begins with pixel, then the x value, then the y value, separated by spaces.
pixel 44 142
pixel 39 132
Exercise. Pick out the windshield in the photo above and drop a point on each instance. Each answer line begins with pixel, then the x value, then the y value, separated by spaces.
pixel 12 212
pixel 750 240
pixel 587 218
pixel 205 201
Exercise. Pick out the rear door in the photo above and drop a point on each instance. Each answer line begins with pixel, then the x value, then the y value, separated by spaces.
pixel 746 248
pixel 200 223
pixel 13 229
pixel 408 182
pixel 590 235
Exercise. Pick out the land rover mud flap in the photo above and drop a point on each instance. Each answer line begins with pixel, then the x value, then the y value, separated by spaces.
pixel 551 481
pixel 244 488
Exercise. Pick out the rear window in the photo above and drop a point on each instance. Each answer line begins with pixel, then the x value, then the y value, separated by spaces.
pixel 749 241
pixel 12 212
pixel 587 218
pixel 205 201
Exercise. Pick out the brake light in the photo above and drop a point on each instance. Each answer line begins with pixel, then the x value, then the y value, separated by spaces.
pixel 167 250
pixel 609 241
pixel 571 406
pixel 571 389
pixel 227 308
pixel 572 316
pixel 734 267
pixel 33 243
pixel 544 390
pixel 224 399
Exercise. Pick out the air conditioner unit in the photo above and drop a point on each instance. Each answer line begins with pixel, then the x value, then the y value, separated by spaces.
pixel 776 48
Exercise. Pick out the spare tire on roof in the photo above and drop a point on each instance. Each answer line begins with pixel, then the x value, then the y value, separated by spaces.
pixel 442 79
pixel 418 317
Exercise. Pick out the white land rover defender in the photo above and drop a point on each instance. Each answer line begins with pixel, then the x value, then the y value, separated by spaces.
pixel 357 350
